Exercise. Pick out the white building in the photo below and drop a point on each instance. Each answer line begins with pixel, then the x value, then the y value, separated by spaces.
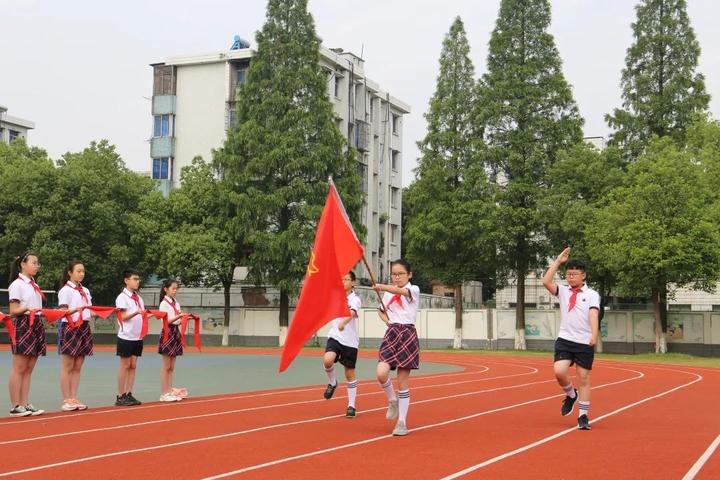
pixel 13 127
pixel 194 104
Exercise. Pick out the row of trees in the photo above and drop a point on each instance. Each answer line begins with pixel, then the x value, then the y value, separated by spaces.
pixel 505 179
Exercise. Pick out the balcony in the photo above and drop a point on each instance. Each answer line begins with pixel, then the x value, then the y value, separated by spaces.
pixel 164 104
pixel 362 136
pixel 162 147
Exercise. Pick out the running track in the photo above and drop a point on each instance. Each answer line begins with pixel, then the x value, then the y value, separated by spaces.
pixel 497 419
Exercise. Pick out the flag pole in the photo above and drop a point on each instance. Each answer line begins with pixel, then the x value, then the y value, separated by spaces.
pixel 372 279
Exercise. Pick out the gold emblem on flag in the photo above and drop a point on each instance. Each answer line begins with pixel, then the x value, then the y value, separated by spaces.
pixel 312 268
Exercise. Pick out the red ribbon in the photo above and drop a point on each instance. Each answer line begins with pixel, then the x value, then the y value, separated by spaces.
pixel 396 298
pixel 573 297
pixel 183 330
pixel 9 325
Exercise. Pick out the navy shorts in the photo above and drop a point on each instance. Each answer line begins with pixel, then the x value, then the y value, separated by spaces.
pixel 347 356
pixel 129 348
pixel 579 353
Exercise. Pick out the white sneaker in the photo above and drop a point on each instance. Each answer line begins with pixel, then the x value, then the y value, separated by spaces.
pixel 34 411
pixel 169 397
pixel 69 407
pixel 392 411
pixel 19 411
pixel 400 429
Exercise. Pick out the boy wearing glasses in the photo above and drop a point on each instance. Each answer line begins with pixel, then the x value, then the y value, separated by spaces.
pixel 579 313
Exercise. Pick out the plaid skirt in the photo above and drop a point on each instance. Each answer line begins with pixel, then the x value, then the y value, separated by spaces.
pixel 29 341
pixel 77 342
pixel 173 347
pixel 400 347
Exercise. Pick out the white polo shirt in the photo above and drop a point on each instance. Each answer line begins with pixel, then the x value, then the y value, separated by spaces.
pixel 167 306
pixel 575 324
pixel 405 310
pixel 71 298
pixel 22 291
pixel 349 336
pixel 132 328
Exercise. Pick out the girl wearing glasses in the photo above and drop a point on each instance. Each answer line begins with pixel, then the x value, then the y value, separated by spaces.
pixel 400 349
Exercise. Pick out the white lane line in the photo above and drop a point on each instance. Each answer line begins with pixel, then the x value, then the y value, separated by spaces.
pixel 268 427
pixel 695 469
pixel 203 400
pixel 424 427
pixel 569 430
pixel 240 410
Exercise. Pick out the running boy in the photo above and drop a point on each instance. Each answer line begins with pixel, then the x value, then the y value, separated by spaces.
pixel 342 346
pixel 579 313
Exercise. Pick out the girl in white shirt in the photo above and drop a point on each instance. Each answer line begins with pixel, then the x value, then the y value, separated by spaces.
pixel 25 297
pixel 173 346
pixel 75 340
pixel 400 348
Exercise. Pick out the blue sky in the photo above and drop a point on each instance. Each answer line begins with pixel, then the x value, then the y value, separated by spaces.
pixel 79 68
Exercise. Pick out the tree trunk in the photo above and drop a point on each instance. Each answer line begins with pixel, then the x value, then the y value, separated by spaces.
pixel 226 314
pixel 284 316
pixel 659 297
pixel 457 341
pixel 520 309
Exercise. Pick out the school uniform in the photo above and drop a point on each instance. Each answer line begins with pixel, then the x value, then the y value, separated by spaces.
pixel 29 340
pixel 400 347
pixel 129 343
pixel 173 347
pixel 573 342
pixel 78 341
pixel 345 343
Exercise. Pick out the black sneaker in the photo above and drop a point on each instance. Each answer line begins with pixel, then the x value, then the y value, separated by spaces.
pixel 351 412
pixel 329 391
pixel 583 422
pixel 121 400
pixel 132 401
pixel 568 404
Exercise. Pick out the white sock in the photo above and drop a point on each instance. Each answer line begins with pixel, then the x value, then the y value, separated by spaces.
pixel 583 408
pixel 389 391
pixel 330 372
pixel 352 393
pixel 403 404
pixel 569 390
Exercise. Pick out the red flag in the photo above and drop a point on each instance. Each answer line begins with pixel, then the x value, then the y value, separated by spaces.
pixel 335 252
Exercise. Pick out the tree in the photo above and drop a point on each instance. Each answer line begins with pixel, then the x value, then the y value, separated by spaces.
pixel 199 248
pixel 529 115
pixel 661 89
pixel 277 160
pixel 580 181
pixel 452 212
pixel 658 230
pixel 79 209
pixel 27 178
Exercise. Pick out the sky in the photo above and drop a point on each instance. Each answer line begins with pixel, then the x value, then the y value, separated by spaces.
pixel 80 69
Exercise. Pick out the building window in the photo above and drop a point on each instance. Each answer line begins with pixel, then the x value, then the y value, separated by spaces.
pixel 161 168
pixel 395 160
pixel 163 80
pixel 162 126
pixel 393 234
pixel 13 134
pixel 396 124
pixel 240 74
pixel 337 86
pixel 394 197
pixel 372 109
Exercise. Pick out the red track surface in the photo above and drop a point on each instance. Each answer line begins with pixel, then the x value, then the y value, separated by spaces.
pixel 497 419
